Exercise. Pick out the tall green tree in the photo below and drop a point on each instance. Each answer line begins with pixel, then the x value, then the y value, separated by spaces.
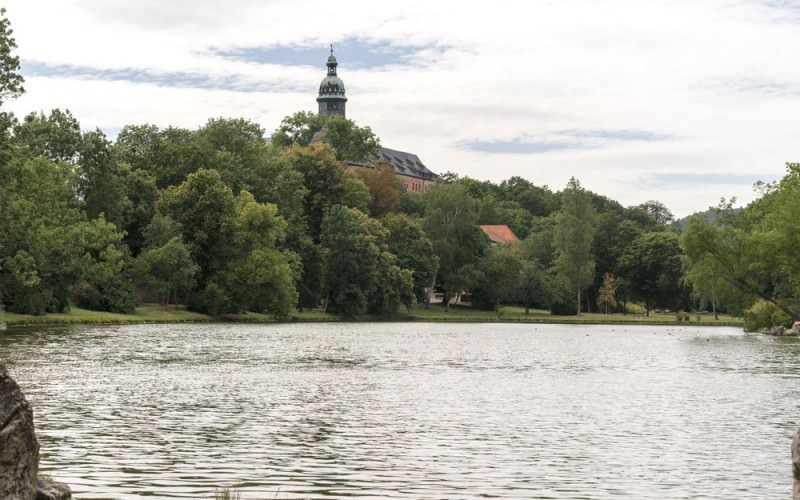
pixel 498 278
pixel 362 275
pixel 10 80
pixel 170 269
pixel 414 250
pixel 652 267
pixel 451 222
pixel 574 234
pixel 102 184
pixel 753 249
pixel 56 136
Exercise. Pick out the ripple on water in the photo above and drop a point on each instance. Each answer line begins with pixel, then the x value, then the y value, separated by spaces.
pixel 410 410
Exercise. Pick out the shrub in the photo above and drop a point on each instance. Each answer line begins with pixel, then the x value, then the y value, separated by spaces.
pixel 764 315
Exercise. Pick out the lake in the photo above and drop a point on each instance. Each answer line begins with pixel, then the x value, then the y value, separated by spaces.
pixel 411 410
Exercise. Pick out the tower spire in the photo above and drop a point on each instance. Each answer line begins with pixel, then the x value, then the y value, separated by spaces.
pixel 332 97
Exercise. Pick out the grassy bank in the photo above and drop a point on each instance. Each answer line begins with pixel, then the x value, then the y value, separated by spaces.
pixel 154 313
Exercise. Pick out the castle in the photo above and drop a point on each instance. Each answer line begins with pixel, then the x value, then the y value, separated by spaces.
pixel 408 168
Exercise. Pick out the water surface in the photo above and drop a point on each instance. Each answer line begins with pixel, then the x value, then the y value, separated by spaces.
pixel 411 410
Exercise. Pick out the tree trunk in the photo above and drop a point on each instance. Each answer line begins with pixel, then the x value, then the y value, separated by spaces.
pixel 579 302
pixel 429 295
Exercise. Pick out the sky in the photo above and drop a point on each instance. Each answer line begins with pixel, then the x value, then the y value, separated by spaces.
pixel 684 102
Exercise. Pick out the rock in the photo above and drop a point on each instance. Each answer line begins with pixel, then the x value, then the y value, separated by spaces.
pixel 776 330
pixel 796 465
pixel 52 490
pixel 19 449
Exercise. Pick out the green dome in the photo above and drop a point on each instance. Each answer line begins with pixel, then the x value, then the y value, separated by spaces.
pixel 332 86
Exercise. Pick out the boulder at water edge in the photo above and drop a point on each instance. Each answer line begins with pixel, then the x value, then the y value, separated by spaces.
pixel 796 465
pixel 19 449
pixel 51 490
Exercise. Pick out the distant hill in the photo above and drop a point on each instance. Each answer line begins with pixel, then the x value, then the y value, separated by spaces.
pixel 709 214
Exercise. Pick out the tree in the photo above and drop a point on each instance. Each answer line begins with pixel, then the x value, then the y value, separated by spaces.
pixel 538 201
pixel 652 268
pixel 362 275
pixel 105 282
pixel 535 285
pixel 606 296
pixel 10 81
pixel 41 240
pixel 323 179
pixel 413 249
pixel 451 222
pixel 234 147
pixel 574 233
pixel 658 212
pixel 204 207
pixel 351 142
pixel 498 279
pixel 753 249
pixel 56 136
pixel 170 269
pixel 384 188
pixel 102 185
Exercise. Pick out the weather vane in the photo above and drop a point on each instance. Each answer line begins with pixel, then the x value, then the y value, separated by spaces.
pixel 331 49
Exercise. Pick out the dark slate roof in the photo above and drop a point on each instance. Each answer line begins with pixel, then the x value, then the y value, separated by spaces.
pixel 403 163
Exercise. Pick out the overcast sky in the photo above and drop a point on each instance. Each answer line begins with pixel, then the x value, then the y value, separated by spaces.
pixel 679 101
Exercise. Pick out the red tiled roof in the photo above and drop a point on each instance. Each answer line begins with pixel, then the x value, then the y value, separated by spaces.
pixel 500 234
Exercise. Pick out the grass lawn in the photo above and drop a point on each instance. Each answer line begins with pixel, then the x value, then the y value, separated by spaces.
pixel 517 314
pixel 154 313
pixel 146 313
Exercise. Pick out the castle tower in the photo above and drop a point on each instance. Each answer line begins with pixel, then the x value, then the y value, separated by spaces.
pixel 331 91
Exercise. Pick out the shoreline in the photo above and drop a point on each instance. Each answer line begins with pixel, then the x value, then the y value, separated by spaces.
pixel 155 314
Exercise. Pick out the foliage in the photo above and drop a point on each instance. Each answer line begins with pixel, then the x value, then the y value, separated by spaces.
pixel 574 233
pixel 450 221
pixel 348 140
pixel 56 136
pixel 414 250
pixel 752 250
pixel 652 267
pixel 606 296
pixel 10 81
pixel 764 315
pixel 657 211
pixel 562 300
pixel 499 277
pixel 384 188
pixel 102 185
pixel 170 269
pixel 362 275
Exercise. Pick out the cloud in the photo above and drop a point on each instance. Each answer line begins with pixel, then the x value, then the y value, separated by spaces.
pixel 566 140
pixel 627 96
pixel 359 53
pixel 196 80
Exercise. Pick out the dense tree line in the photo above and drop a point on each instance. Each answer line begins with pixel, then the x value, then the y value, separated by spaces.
pixel 224 219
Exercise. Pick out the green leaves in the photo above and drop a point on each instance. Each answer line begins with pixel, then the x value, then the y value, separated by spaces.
pixel 10 81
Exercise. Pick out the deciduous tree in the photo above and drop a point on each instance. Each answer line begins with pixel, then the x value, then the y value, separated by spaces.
pixel 574 233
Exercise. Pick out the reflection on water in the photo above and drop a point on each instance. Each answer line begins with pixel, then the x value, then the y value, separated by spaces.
pixel 411 410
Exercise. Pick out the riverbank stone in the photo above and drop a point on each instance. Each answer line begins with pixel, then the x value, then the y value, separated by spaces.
pixel 19 449
pixel 52 490
pixel 796 465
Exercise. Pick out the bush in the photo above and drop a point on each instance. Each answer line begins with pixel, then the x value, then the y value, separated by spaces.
pixel 563 302
pixel 764 315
